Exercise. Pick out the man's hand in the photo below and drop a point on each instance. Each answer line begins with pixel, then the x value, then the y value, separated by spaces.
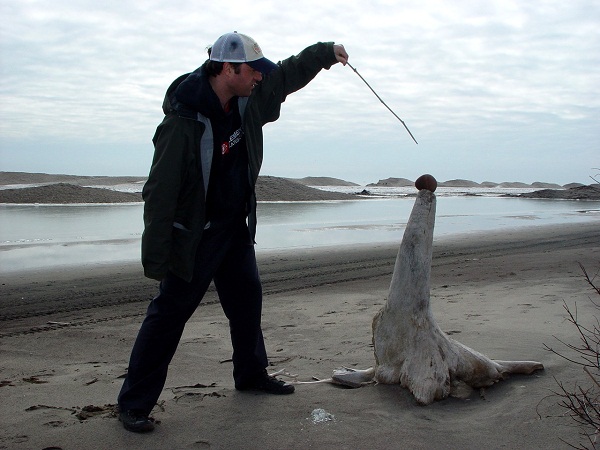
pixel 340 53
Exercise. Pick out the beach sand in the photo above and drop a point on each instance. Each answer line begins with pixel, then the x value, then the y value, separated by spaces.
pixel 66 338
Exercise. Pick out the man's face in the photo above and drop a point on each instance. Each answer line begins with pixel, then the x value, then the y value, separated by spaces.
pixel 246 79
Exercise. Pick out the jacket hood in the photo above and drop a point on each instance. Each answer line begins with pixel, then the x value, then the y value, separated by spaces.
pixel 169 103
pixel 191 93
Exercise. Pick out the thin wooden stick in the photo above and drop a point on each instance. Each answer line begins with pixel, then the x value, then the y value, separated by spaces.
pixel 384 104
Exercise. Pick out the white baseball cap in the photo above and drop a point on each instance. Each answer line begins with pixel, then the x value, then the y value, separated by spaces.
pixel 238 48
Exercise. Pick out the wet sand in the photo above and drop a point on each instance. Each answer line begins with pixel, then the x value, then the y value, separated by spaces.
pixel 65 339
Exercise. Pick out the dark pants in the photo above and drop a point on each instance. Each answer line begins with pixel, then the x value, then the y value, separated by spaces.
pixel 227 257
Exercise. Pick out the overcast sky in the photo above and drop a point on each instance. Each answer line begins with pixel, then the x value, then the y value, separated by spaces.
pixel 494 90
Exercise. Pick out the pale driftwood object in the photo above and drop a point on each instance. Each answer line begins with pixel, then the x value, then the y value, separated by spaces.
pixel 410 348
pixel 343 376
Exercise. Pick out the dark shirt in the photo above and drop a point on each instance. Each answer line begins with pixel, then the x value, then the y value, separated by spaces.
pixel 229 187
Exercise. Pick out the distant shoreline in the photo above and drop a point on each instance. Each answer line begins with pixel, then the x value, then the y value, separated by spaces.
pixel 41 188
pixel 69 189
pixel 23 178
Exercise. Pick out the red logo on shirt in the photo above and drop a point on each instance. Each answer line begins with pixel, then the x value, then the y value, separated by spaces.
pixel 225 148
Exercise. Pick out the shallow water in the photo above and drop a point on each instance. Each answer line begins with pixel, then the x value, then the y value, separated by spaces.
pixel 40 236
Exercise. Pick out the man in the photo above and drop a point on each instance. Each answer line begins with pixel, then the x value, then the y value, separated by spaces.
pixel 200 211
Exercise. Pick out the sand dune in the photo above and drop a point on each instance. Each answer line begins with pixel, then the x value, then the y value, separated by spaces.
pixel 79 189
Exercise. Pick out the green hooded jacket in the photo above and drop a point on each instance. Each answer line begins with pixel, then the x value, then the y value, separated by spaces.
pixel 175 192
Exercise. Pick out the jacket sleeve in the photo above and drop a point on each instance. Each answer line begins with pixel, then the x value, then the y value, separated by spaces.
pixel 293 74
pixel 160 195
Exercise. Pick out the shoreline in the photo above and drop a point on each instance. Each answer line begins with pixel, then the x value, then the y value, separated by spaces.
pixel 32 188
pixel 67 335
pixel 440 241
